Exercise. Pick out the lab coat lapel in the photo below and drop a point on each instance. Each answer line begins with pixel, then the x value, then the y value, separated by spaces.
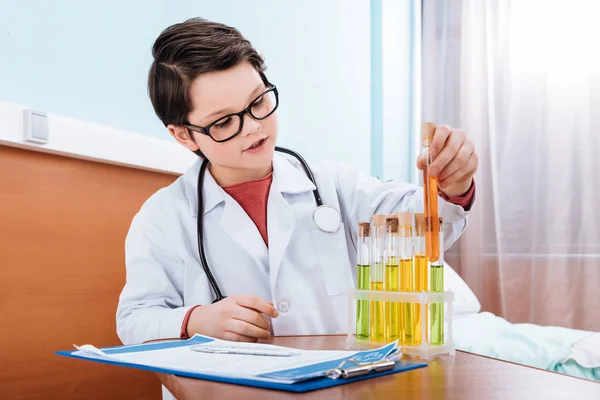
pixel 242 230
pixel 280 226
pixel 281 219
pixel 234 220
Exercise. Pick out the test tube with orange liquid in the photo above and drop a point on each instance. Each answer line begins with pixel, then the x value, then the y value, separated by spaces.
pixel 430 190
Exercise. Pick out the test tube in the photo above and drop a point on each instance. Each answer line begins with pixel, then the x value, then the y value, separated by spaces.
pixel 430 191
pixel 421 269
pixel 363 279
pixel 407 275
pixel 376 309
pixel 392 308
pixel 437 285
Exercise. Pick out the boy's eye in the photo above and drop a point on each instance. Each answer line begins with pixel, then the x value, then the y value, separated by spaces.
pixel 223 123
pixel 259 101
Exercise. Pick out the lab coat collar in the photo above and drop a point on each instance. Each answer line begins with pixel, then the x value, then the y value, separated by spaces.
pixel 287 172
pixel 213 193
pixel 290 175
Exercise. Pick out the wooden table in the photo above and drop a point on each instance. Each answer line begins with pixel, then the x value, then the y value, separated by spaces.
pixel 465 376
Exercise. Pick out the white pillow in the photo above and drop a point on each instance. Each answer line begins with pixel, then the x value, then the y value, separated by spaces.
pixel 465 301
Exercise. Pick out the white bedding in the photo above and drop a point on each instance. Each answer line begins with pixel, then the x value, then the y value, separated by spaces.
pixel 570 351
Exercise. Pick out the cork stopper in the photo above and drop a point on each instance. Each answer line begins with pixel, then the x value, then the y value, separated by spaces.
pixel 404 218
pixel 379 220
pixel 420 220
pixel 364 229
pixel 391 224
pixel 427 130
pixel 420 225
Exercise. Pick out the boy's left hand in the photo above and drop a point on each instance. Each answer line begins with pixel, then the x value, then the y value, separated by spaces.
pixel 454 160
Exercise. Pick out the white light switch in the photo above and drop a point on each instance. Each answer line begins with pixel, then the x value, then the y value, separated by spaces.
pixel 35 126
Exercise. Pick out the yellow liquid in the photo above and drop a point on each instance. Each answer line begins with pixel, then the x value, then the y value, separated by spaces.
pixel 421 272
pixel 407 310
pixel 377 316
pixel 392 309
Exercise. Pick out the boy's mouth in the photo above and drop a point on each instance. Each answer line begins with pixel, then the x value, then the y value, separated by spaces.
pixel 256 146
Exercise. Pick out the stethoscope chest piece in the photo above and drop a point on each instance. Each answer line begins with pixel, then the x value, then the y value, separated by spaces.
pixel 327 219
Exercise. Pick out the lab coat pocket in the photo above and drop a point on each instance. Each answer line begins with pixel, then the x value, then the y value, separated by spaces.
pixel 332 253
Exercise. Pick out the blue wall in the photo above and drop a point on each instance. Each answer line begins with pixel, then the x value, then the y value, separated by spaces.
pixel 89 60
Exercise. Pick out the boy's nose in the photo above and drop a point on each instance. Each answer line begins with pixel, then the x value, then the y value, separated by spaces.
pixel 250 125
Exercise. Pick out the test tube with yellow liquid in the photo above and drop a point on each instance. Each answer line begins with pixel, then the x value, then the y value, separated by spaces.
pixel 430 191
pixel 421 274
pixel 363 275
pixel 376 309
pixel 391 284
pixel 436 284
pixel 407 276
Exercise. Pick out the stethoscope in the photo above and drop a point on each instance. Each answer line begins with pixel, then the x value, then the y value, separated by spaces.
pixel 325 218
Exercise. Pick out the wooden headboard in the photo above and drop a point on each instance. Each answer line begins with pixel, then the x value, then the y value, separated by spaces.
pixel 63 223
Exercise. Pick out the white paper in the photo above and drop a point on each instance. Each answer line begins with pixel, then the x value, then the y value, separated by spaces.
pixel 230 365
pixel 183 358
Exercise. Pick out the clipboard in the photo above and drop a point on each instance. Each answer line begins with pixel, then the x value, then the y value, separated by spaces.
pixel 342 372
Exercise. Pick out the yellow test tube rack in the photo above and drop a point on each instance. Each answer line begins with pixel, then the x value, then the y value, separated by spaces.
pixel 422 301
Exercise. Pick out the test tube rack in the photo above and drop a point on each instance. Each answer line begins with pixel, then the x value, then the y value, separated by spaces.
pixel 425 350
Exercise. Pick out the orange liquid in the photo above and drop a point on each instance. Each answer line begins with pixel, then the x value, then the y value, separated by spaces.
pixel 432 222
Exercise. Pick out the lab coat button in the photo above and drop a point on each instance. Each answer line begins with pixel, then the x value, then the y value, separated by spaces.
pixel 283 306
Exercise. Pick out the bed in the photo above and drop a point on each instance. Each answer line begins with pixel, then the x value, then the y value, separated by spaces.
pixel 569 351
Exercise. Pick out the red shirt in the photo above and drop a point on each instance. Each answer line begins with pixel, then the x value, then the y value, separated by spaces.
pixel 252 196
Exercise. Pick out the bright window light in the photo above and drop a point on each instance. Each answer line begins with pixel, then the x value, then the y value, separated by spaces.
pixel 558 37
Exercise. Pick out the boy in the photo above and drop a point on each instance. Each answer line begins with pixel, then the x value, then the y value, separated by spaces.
pixel 280 275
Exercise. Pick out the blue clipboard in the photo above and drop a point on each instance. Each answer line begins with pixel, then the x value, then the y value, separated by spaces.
pixel 298 387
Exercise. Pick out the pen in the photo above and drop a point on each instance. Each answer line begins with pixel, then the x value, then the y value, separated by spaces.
pixel 243 350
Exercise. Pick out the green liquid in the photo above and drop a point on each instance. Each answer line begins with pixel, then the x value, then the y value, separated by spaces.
pixel 437 309
pixel 362 306
pixel 392 308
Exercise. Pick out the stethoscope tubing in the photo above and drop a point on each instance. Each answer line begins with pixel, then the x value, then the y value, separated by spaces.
pixel 200 224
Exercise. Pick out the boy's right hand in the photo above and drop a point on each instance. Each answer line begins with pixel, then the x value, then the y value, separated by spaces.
pixel 237 317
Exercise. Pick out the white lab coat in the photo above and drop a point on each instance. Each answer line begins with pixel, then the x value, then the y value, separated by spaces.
pixel 304 272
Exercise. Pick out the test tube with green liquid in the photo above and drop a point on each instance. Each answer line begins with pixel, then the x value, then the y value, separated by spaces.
pixel 437 285
pixel 363 277
pixel 376 309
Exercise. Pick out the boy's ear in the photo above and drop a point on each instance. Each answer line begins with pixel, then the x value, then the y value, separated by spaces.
pixel 183 136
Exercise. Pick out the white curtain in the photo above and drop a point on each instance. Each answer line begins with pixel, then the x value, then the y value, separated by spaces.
pixel 522 78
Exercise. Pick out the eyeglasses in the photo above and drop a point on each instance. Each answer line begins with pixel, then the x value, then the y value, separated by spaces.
pixel 229 126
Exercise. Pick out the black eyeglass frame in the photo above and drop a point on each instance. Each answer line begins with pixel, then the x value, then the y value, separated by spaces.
pixel 248 110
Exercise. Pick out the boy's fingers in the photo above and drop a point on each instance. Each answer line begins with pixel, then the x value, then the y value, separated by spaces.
pixel 235 337
pixel 466 171
pixel 251 316
pixel 439 139
pixel 246 329
pixel 460 159
pixel 258 304
pixel 448 152
pixel 420 162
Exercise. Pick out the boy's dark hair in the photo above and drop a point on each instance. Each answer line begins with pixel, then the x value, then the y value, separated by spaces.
pixel 185 50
